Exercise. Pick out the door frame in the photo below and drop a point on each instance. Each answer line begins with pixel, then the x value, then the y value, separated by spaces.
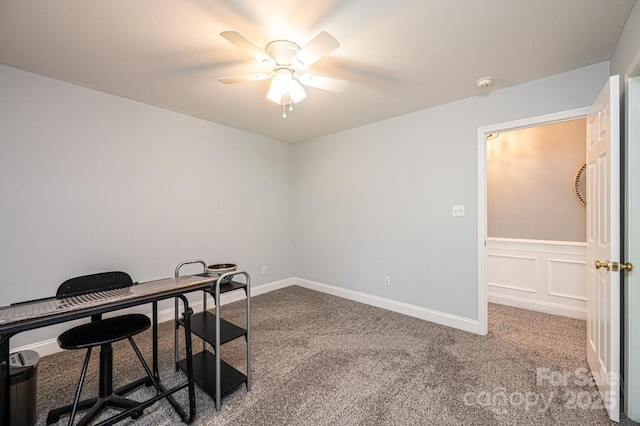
pixel 631 253
pixel 572 114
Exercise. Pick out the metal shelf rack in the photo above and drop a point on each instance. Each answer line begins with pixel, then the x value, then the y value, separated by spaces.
pixel 214 375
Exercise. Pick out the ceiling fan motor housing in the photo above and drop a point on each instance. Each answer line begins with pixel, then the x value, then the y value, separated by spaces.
pixel 282 51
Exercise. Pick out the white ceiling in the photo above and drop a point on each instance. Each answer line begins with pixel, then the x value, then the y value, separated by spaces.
pixel 399 56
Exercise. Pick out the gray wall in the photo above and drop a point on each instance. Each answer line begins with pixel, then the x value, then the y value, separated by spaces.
pixel 376 200
pixel 530 183
pixel 627 51
pixel 92 182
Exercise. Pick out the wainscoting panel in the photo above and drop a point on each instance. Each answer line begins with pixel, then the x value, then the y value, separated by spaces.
pixel 545 276
pixel 567 278
pixel 516 272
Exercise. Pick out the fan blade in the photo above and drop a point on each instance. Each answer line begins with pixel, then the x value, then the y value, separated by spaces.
pixel 245 78
pixel 249 48
pixel 324 83
pixel 316 49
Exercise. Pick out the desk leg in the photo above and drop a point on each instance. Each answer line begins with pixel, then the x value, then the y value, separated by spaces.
pixel 155 339
pixel 186 418
pixel 189 353
pixel 5 415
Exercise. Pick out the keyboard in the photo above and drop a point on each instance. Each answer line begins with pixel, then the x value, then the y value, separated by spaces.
pixel 54 306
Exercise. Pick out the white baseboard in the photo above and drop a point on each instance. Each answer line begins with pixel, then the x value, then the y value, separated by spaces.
pixel 50 346
pixel 437 317
pixel 45 347
pixel 226 298
pixel 539 306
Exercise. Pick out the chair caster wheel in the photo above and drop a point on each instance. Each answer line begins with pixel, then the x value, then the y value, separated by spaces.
pixel 52 419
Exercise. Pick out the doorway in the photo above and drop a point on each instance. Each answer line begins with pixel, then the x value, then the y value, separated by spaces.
pixel 603 234
pixel 536 218
pixel 482 194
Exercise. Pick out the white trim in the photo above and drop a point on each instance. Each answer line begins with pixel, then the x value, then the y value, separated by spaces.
pixel 511 287
pixel 538 305
pixel 551 243
pixel 633 70
pixel 632 246
pixel 426 314
pixel 50 346
pixel 226 298
pixel 483 319
pixel 45 347
pixel 550 292
pixel 483 314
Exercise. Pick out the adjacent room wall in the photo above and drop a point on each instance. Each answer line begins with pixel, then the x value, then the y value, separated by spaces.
pixel 92 182
pixel 376 201
pixel 530 183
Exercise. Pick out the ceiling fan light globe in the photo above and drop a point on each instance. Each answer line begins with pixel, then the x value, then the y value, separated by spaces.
pixel 281 80
pixel 296 92
pixel 275 95
pixel 284 89
pixel 279 86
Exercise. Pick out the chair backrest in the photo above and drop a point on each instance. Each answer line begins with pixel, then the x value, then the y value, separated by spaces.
pixel 94 282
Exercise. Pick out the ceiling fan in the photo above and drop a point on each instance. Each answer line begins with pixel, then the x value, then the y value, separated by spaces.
pixel 288 64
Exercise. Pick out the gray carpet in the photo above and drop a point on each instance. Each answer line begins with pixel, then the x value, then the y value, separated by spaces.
pixel 323 360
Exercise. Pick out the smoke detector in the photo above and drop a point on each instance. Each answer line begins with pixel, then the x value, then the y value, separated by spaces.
pixel 484 82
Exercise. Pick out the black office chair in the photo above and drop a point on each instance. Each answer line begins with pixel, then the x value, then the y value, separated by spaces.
pixel 101 332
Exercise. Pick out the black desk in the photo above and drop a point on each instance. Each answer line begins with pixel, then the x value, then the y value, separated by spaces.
pixel 16 318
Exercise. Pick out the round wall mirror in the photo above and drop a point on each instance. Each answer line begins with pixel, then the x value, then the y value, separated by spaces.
pixel 580 185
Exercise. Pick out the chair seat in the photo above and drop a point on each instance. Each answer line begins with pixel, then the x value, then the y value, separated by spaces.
pixel 103 331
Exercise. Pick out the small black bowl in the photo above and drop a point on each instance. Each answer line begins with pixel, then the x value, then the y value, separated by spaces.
pixel 218 269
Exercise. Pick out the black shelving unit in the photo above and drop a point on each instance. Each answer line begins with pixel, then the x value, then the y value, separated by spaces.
pixel 214 375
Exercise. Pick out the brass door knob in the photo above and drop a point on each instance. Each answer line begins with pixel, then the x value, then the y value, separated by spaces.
pixel 606 265
pixel 626 266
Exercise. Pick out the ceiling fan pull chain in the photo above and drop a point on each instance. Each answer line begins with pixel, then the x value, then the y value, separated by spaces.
pixel 291 106
pixel 284 111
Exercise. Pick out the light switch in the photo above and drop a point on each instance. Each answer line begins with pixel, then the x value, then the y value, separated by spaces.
pixel 457 210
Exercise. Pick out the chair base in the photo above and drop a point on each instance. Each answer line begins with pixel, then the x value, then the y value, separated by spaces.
pixel 95 406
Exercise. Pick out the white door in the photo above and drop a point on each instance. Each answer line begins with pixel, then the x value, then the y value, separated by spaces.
pixel 603 244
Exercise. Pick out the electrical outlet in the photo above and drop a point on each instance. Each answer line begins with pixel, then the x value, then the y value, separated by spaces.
pixel 387 280
pixel 457 210
pixel 264 270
